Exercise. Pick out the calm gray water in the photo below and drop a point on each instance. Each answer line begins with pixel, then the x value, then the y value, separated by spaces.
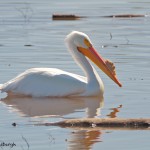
pixel 29 38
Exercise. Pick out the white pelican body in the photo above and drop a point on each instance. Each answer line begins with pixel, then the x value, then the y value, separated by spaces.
pixel 51 82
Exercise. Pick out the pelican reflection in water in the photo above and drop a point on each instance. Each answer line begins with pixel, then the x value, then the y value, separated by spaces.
pixel 40 107
pixel 84 139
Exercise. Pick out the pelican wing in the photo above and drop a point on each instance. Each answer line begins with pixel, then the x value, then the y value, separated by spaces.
pixel 38 82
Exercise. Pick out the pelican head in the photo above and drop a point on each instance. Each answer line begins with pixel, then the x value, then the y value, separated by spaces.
pixel 83 45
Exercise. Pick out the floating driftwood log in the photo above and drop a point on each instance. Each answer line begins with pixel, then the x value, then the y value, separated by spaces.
pixel 66 17
pixel 105 123
pixel 126 16
pixel 75 17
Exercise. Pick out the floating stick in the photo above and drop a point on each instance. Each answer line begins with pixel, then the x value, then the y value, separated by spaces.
pixel 126 16
pixel 65 17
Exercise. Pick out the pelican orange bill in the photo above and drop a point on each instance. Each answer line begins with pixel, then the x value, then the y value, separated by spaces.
pixel 92 54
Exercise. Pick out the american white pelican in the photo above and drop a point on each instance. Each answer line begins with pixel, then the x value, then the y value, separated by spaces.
pixel 43 82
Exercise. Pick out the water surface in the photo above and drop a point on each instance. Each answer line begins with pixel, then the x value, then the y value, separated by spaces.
pixel 30 38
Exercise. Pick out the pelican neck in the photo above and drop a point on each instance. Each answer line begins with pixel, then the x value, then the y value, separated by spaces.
pixel 83 62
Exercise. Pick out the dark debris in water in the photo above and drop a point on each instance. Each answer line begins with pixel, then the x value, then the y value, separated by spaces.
pixel 126 16
pixel 66 17
pixel 28 45
pixel 134 79
pixel 14 124
pixel 115 46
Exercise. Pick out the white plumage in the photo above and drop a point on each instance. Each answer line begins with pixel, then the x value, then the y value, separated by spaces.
pixel 39 82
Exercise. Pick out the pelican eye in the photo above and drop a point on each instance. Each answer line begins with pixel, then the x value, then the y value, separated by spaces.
pixel 87 43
